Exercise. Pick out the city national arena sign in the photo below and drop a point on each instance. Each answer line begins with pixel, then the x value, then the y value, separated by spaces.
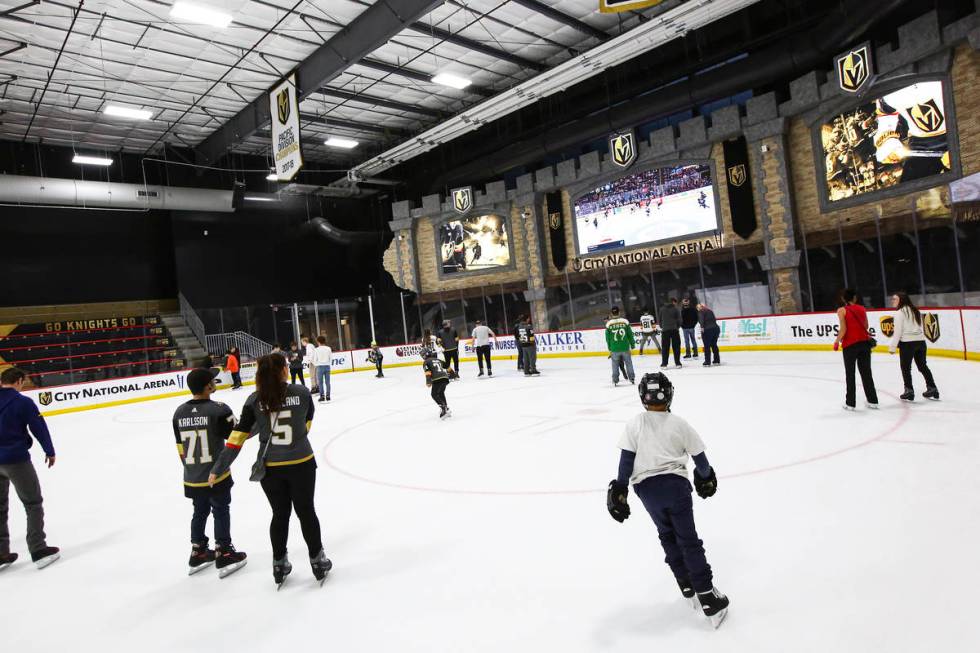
pixel 615 259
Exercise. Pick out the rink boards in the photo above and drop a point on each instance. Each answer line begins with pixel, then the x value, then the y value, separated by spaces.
pixel 951 332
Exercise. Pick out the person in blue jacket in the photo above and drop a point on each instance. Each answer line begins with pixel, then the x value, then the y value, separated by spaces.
pixel 17 414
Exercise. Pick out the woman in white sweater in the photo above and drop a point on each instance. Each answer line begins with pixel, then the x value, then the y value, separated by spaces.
pixel 910 341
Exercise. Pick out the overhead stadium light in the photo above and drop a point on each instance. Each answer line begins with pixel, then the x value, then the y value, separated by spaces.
pixel 194 13
pixel 451 80
pixel 342 143
pixel 91 160
pixel 272 176
pixel 127 112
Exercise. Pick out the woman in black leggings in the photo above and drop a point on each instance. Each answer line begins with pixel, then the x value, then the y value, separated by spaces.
pixel 281 414
pixel 909 338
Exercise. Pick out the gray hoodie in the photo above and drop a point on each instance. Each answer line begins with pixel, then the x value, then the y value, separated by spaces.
pixel 670 317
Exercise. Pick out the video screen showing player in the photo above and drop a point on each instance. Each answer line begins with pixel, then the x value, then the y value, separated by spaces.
pixel 473 244
pixel 887 141
pixel 645 207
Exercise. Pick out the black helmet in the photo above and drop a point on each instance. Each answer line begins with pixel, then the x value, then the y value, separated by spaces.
pixel 656 390
pixel 427 353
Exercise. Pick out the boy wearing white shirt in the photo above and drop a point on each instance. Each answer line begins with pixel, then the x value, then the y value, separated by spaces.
pixel 322 356
pixel 481 342
pixel 655 447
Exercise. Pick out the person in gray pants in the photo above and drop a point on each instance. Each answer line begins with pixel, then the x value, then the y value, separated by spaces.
pixel 17 414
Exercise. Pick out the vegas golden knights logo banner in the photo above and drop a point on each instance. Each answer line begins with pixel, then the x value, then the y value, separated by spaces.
pixel 462 199
pixel 739 185
pixel 854 68
pixel 622 149
pixel 556 230
pixel 286 150
pixel 930 326
pixel 616 6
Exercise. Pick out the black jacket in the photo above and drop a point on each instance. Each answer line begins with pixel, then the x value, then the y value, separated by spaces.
pixel 689 317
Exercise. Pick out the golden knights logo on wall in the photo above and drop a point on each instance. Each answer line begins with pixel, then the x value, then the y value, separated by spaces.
pixel 736 174
pixel 622 149
pixel 887 324
pixel 462 199
pixel 854 68
pixel 282 104
pixel 554 220
pixel 45 398
pixel 930 326
pixel 927 116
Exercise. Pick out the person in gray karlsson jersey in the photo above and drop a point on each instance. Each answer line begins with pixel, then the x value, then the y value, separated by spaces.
pixel 201 427
pixel 281 415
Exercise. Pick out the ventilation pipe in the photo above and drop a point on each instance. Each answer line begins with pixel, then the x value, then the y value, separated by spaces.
pixel 342 236
pixel 794 55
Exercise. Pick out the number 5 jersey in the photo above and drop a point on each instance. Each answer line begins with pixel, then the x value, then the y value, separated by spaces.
pixel 201 427
pixel 285 430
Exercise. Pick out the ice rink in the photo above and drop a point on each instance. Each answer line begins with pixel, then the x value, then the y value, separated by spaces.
pixel 679 216
pixel 830 531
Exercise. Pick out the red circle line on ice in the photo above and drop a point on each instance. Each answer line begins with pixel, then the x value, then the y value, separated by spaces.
pixel 905 412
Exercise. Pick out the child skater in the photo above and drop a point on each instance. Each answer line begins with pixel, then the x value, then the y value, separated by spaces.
pixel 375 356
pixel 201 427
pixel 437 378
pixel 655 447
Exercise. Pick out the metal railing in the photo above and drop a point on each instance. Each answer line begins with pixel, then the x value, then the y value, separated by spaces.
pixel 191 318
pixel 248 345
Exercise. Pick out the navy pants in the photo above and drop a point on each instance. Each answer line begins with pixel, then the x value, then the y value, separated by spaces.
pixel 710 338
pixel 667 498
pixel 217 504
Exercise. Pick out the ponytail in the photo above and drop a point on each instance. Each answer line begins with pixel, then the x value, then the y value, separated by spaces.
pixel 269 384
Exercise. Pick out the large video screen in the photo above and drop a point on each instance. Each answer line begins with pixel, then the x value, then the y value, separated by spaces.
pixel 891 140
pixel 474 244
pixel 645 207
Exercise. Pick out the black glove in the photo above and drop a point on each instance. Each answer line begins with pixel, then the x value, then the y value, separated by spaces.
pixel 616 501
pixel 706 487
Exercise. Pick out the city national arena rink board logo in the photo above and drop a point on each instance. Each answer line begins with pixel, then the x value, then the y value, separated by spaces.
pixel 927 116
pixel 887 324
pixel 282 104
pixel 462 199
pixel 622 148
pixel 45 398
pixel 930 326
pixel 736 174
pixel 854 69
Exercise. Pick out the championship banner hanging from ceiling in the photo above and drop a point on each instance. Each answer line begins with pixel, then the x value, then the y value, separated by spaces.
pixel 285 129
pixel 739 185
pixel 556 230
pixel 616 6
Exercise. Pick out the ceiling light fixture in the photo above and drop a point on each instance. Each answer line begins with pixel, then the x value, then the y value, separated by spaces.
pixel 272 176
pixel 451 80
pixel 127 112
pixel 194 13
pixel 342 143
pixel 91 160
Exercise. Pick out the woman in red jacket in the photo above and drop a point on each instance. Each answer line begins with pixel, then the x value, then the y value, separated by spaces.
pixel 855 343
pixel 233 365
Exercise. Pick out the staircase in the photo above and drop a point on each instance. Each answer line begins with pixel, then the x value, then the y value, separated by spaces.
pixel 190 347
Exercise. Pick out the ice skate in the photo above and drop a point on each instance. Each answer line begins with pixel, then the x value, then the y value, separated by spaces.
pixel 480 374
pixel 908 395
pixel 489 372
pixel 228 560
pixel 44 557
pixel 687 591
pixel 281 569
pixel 678 366
pixel 535 372
pixel 7 559
pixel 848 407
pixel 321 566
pixel 871 406
pixel 714 604
pixel 201 558
pixel 931 393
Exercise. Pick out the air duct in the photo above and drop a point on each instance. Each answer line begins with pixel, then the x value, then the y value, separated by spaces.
pixel 794 55
pixel 73 193
pixel 342 236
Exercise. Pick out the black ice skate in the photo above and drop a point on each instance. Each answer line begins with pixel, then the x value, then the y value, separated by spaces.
pixel 480 374
pixel 687 590
pixel 931 393
pixel 7 559
pixel 908 395
pixel 44 557
pixel 201 558
pixel 714 604
pixel 281 569
pixel 445 413
pixel 321 566
pixel 228 560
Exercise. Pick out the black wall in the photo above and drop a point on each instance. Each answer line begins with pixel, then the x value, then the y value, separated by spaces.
pixel 63 256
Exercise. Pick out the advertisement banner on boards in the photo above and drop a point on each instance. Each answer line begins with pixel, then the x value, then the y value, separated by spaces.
pixel 111 391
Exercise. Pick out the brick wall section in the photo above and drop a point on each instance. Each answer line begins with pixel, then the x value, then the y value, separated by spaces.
pixel 778 223
pixel 398 260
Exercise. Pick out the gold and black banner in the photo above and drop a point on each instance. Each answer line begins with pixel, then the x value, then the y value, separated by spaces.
pixel 556 230
pixel 739 187
pixel 616 6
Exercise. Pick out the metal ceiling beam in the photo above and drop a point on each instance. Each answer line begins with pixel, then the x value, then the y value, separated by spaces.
pixel 391 69
pixel 54 67
pixel 357 126
pixel 476 46
pixel 382 102
pixel 366 33
pixel 561 17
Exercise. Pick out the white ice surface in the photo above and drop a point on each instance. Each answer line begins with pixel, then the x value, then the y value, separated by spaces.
pixel 830 532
